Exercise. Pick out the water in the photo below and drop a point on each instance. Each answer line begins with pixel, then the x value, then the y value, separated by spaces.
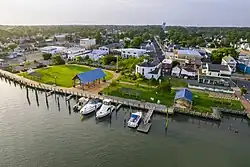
pixel 34 135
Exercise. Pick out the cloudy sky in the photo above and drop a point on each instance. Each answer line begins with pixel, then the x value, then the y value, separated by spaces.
pixel 174 12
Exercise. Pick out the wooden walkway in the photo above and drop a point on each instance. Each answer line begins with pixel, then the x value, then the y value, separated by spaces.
pixel 80 93
pixel 145 124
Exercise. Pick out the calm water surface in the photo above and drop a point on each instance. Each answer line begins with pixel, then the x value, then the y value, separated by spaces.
pixel 36 135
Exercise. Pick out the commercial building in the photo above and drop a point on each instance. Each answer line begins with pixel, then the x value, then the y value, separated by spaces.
pixel 87 43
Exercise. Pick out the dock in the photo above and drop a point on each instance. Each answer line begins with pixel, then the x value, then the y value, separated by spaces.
pixel 118 106
pixel 145 124
pixel 50 93
pixel 69 97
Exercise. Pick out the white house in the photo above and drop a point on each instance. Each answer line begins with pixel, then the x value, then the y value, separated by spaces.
pixel 176 71
pixel 229 60
pixel 87 43
pixel 188 72
pixel 188 54
pixel 131 52
pixel 73 52
pixel 217 70
pixel 149 69
pixel 97 54
pixel 60 37
pixel 53 49
pixel 245 46
pixel 111 47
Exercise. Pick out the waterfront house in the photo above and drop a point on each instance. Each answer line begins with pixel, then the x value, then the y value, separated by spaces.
pixel 149 69
pixel 87 43
pixel 229 60
pixel 188 73
pixel 176 71
pixel 183 99
pixel 166 66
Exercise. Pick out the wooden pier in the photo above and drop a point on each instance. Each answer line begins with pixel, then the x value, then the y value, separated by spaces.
pixel 118 106
pixel 69 97
pixel 50 93
pixel 146 124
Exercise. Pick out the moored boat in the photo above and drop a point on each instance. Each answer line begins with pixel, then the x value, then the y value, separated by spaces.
pixel 134 119
pixel 91 106
pixel 105 109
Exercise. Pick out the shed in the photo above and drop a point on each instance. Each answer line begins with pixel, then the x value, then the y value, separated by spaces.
pixel 183 99
pixel 88 77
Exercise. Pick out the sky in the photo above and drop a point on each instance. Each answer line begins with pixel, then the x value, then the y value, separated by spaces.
pixel 139 12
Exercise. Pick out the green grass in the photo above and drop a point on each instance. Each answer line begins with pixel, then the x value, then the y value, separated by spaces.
pixel 201 101
pixel 63 74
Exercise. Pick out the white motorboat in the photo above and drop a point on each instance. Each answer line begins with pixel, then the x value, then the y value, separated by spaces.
pixel 105 109
pixel 91 106
pixel 134 119
pixel 81 102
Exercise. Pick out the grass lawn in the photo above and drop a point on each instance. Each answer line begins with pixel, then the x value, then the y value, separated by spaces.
pixel 63 74
pixel 201 101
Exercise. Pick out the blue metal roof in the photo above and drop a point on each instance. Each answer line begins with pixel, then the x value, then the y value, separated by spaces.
pixel 184 93
pixel 90 76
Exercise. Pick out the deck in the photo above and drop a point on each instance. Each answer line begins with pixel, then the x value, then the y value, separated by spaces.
pixel 145 124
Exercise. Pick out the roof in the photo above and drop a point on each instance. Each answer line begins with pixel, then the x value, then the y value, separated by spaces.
pixel 218 67
pixel 90 76
pixel 189 69
pixel 229 59
pixel 189 52
pixel 167 61
pixel 156 71
pixel 149 64
pixel 184 93
pixel 99 52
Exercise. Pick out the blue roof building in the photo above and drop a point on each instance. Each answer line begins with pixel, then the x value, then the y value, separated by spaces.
pixel 183 98
pixel 90 76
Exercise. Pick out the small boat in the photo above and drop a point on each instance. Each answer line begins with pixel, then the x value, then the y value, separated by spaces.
pixel 134 119
pixel 91 106
pixel 81 102
pixel 105 109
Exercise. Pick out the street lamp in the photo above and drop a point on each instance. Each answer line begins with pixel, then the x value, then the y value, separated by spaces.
pixel 55 79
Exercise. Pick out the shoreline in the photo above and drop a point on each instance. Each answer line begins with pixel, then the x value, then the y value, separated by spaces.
pixel 161 109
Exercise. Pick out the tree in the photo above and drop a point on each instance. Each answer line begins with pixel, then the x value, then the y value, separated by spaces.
pixel 136 42
pixel 12 46
pixel 165 87
pixel 98 37
pixel 58 60
pixel 108 59
pixel 218 54
pixel 79 59
pixel 243 90
pixel 175 63
pixel 47 56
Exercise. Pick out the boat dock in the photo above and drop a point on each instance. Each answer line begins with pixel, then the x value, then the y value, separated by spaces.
pixel 146 124
pixel 69 97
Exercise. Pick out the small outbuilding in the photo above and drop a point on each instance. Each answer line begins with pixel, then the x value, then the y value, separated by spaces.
pixel 183 99
pixel 89 78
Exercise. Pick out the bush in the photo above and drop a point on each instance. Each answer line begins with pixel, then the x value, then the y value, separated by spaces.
pixel 47 56
pixel 113 83
pixel 58 60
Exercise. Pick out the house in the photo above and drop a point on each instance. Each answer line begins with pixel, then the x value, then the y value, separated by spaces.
pixel 245 46
pixel 87 43
pixel 131 52
pixel 73 52
pixel 60 37
pixel 188 72
pixel 110 47
pixel 183 99
pixel 229 60
pixel 97 54
pixel 149 69
pixel 176 71
pixel 166 66
pixel 188 54
pixel 217 70
pixel 148 46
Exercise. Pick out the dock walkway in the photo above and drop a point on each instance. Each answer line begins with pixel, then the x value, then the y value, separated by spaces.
pixel 145 124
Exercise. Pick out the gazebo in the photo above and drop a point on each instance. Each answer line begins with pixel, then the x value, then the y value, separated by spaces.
pixel 183 99
pixel 89 78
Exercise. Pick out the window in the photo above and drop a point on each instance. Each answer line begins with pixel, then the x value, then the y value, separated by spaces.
pixel 134 53
pixel 123 51
pixel 143 71
pixel 128 52
pixel 151 69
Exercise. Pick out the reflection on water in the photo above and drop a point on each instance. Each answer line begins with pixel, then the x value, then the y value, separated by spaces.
pixel 40 131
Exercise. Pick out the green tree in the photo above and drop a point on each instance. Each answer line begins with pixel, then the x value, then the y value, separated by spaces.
pixel 12 46
pixel 79 59
pixel 136 42
pixel 175 63
pixel 98 37
pixel 47 56
pixel 218 54
pixel 243 90
pixel 108 59
pixel 165 87
pixel 58 60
